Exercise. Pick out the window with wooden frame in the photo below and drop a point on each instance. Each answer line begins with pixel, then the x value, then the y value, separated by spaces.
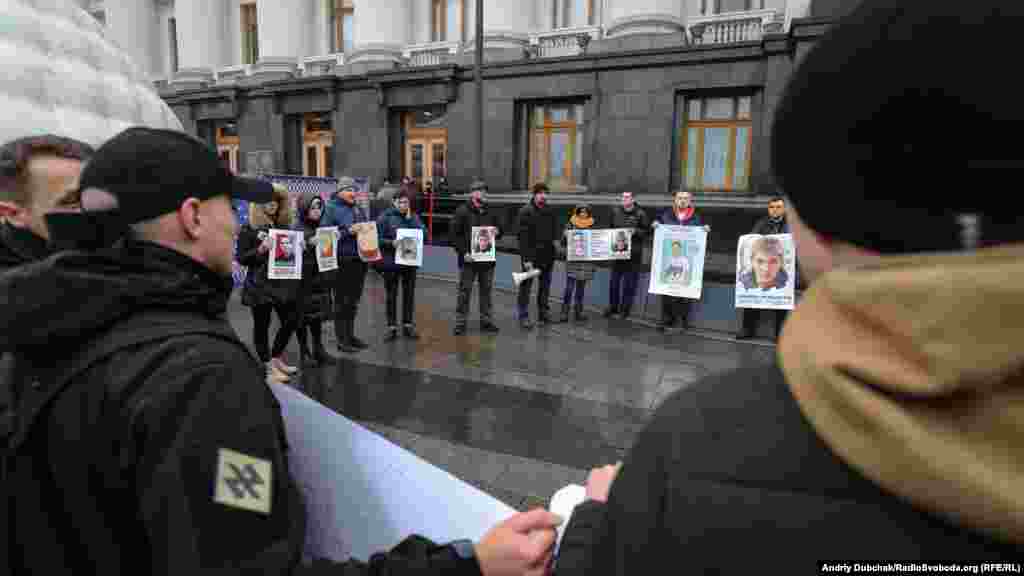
pixel 708 7
pixel 555 154
pixel 250 33
pixel 716 143
pixel 228 145
pixel 341 15
pixel 573 13
pixel 447 20
pixel 318 145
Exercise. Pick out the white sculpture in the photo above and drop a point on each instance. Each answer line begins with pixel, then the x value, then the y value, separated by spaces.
pixel 60 74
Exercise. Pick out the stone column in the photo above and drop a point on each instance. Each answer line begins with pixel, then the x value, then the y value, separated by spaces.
pixel 284 37
pixel 132 24
pixel 507 27
pixel 645 17
pixel 381 31
pixel 200 25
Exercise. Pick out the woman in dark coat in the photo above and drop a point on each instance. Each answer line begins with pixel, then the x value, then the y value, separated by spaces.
pixel 314 301
pixel 263 295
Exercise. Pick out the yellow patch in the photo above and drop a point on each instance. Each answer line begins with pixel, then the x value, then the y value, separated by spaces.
pixel 243 482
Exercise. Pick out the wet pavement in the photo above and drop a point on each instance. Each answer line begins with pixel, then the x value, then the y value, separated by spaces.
pixel 518 414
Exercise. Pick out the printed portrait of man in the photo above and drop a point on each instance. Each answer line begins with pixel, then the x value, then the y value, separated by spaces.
pixel 620 245
pixel 767 265
pixel 284 251
pixel 677 266
pixel 483 241
pixel 407 248
pixel 326 247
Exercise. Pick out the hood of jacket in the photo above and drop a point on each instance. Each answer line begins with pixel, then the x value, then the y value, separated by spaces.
pixel 71 296
pixel 19 246
pixel 912 371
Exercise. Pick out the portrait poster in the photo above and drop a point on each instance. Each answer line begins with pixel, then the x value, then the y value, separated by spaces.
pixel 327 248
pixel 601 244
pixel 285 255
pixel 482 247
pixel 677 264
pixel 409 247
pixel 766 272
pixel 367 242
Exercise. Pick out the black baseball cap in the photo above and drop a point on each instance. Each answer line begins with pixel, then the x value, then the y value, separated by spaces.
pixel 150 172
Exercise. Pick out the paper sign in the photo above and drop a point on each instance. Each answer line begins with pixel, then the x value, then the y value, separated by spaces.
pixel 367 242
pixel 482 248
pixel 677 265
pixel 285 255
pixel 364 494
pixel 766 272
pixel 327 248
pixel 601 244
pixel 409 247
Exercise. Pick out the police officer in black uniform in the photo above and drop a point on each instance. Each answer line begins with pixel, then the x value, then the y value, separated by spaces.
pixel 148 442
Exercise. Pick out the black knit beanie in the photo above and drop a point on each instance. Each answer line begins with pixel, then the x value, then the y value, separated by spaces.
pixel 900 131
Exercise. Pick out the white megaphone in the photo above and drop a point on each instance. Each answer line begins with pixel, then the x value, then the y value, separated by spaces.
pixel 519 277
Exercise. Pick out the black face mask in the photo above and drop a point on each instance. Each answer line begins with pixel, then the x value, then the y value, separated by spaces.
pixel 85 230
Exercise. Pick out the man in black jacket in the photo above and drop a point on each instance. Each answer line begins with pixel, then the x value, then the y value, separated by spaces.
pixel 773 223
pixel 149 442
pixel 474 214
pixel 889 428
pixel 38 175
pixel 625 273
pixel 539 240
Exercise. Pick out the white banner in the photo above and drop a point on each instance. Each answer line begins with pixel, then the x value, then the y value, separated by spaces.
pixel 677 263
pixel 364 494
pixel 285 255
pixel 327 248
pixel 481 244
pixel 766 272
pixel 602 244
pixel 409 247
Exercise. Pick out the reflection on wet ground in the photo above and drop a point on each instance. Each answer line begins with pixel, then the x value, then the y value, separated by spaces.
pixel 519 414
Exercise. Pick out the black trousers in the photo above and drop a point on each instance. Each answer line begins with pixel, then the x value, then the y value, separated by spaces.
pixel 673 308
pixel 543 292
pixel 484 273
pixel 752 316
pixel 407 278
pixel 261 328
pixel 348 289
pixel 622 287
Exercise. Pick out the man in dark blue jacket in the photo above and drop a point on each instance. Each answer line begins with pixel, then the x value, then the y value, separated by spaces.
pixel 681 213
pixel 773 223
pixel 401 216
pixel 343 212
pixel 539 240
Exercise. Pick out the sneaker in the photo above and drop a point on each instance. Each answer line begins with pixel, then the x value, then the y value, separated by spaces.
pixel 347 348
pixel 489 327
pixel 744 336
pixel 544 320
pixel 410 332
pixel 391 334
pixel 358 344
pixel 460 330
pixel 624 315
pixel 525 324
pixel 609 312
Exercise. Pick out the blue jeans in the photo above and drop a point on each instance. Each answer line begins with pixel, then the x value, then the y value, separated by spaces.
pixel 573 286
pixel 627 291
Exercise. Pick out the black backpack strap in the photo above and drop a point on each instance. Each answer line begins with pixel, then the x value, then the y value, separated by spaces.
pixel 144 329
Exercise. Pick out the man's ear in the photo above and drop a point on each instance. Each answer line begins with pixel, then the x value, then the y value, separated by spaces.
pixel 191 218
